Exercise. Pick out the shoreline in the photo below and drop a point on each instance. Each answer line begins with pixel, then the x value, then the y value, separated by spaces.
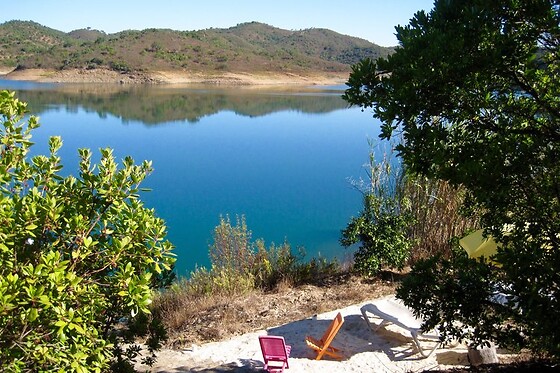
pixel 174 77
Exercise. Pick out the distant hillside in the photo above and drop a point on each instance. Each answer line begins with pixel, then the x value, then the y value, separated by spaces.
pixel 249 47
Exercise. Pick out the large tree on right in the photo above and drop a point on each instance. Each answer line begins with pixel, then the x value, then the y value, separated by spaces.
pixel 474 90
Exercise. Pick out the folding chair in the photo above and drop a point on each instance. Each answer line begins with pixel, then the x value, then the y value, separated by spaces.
pixel 275 351
pixel 322 346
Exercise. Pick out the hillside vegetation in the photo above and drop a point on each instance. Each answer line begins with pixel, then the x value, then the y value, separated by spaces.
pixel 248 47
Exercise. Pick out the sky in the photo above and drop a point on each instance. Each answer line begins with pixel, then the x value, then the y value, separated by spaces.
pixel 373 20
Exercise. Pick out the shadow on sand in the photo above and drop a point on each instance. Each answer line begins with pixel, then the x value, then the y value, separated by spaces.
pixel 354 337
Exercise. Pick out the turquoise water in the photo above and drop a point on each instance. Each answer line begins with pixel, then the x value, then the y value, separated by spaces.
pixel 282 159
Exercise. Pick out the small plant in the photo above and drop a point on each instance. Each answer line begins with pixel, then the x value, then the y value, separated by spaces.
pixel 382 236
pixel 239 265
pixel 232 246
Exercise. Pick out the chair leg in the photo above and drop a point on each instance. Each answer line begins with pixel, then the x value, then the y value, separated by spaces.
pixel 371 325
pixel 274 369
pixel 419 347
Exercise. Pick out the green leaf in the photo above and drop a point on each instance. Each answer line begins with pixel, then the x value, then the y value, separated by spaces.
pixel 77 327
pixel 33 314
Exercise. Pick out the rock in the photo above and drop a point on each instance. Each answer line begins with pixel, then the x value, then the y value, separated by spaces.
pixel 483 355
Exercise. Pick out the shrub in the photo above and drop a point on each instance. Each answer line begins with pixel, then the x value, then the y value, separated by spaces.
pixel 239 265
pixel 120 66
pixel 279 264
pixel 78 255
pixel 381 227
pixel 405 218
pixel 232 246
pixel 382 237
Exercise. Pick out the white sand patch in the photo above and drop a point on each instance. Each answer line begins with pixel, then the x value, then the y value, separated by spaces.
pixel 387 350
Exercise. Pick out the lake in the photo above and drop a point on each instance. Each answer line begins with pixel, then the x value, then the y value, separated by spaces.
pixel 281 158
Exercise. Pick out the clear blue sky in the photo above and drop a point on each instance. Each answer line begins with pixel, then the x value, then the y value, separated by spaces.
pixel 373 20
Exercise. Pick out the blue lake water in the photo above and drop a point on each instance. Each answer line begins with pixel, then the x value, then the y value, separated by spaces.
pixel 280 158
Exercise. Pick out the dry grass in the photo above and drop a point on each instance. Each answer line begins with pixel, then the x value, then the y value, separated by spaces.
pixel 198 319
pixel 436 206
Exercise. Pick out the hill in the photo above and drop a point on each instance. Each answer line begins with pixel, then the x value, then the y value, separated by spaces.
pixel 246 48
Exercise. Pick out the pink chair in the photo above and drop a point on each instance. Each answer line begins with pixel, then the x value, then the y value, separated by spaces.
pixel 275 351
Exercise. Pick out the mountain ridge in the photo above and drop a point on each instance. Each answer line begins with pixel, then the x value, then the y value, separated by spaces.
pixel 252 48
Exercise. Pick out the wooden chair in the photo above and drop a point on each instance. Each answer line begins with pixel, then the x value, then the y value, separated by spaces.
pixel 323 345
pixel 275 351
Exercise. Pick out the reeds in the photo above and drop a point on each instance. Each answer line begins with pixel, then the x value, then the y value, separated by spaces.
pixel 438 219
pixel 431 210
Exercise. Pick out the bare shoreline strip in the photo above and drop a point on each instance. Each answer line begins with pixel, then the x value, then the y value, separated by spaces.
pixel 173 77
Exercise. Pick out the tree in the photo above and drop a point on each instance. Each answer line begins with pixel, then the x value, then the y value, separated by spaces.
pixel 79 256
pixel 475 89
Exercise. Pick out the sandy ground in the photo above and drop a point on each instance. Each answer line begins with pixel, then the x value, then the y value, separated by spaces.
pixel 389 349
pixel 172 77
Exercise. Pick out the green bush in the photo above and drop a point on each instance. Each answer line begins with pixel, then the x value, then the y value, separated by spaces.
pixel 240 265
pixel 279 264
pixel 120 66
pixel 381 228
pixel 405 217
pixel 382 236
pixel 79 256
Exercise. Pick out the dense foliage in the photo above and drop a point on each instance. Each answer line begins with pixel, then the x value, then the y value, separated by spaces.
pixel 79 256
pixel 475 89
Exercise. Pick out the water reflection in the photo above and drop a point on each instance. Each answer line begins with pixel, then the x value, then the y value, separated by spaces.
pixel 154 105
pixel 280 158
